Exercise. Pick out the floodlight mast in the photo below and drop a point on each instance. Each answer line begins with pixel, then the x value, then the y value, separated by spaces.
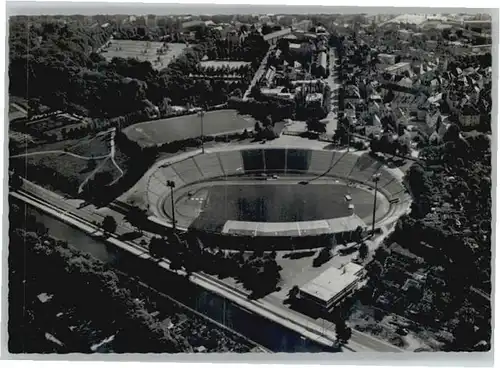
pixel 201 114
pixel 171 185
pixel 375 178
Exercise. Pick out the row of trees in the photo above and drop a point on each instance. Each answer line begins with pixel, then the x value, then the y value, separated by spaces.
pixel 258 273
pixel 243 71
pixel 226 49
pixel 45 175
pixel 387 144
pixel 260 108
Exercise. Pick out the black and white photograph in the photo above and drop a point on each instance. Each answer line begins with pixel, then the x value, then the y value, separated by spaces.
pixel 187 179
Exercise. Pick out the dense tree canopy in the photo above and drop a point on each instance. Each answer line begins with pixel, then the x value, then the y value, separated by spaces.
pixel 58 64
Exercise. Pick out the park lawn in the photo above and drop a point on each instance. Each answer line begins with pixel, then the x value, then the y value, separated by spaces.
pixel 110 167
pixel 59 169
pixel 15 113
pixel 162 131
pixel 81 146
pixel 92 146
pixel 65 164
pixel 135 49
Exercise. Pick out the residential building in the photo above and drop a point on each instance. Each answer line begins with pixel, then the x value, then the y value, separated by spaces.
pixel 269 76
pixel 304 25
pixel 405 82
pixel 265 19
pixel 277 93
pixel 439 131
pixel 411 102
pixel 469 116
pixel 373 107
pixel 192 24
pixel 432 118
pixel 387 59
pixel 151 21
pixel 272 38
pixel 291 38
pixel 323 62
pixel 234 36
pixel 431 44
pixel 332 286
pixel 478 25
pixel 314 98
pixel 398 68
pixel 405 34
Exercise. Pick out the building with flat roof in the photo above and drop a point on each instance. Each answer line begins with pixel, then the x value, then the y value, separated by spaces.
pixel 304 25
pixel 192 24
pixel 314 97
pixel 387 59
pixel 332 286
pixel 398 68
pixel 273 37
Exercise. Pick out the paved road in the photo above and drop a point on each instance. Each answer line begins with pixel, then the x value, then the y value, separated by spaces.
pixel 270 305
pixel 258 74
pixel 332 80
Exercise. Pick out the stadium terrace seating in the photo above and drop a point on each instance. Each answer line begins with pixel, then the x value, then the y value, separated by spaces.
pixel 321 162
pixel 253 160
pixel 385 178
pixel 364 169
pixel 187 170
pixel 275 159
pixel 209 165
pixel 161 176
pixel 298 160
pixel 404 197
pixel 231 162
pixel 170 174
pixel 344 166
pixel 394 189
pixel 398 209
pixel 364 162
pixel 156 188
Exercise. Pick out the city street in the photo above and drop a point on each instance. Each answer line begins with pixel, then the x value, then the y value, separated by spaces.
pixel 333 83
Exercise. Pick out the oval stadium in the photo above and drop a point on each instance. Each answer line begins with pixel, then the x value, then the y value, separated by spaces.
pixel 250 191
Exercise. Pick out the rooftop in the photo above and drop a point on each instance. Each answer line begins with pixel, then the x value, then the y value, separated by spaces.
pixel 276 34
pixel 332 281
pixel 397 66
pixel 314 97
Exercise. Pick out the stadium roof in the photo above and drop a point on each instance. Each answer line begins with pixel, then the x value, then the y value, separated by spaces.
pixel 302 228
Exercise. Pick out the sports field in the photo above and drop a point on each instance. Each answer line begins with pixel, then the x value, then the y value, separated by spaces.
pixel 188 126
pixel 212 206
pixel 143 51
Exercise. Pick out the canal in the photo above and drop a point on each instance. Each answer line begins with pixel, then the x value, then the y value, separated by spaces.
pixel 265 332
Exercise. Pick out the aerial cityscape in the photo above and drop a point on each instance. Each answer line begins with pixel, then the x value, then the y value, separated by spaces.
pixel 249 183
